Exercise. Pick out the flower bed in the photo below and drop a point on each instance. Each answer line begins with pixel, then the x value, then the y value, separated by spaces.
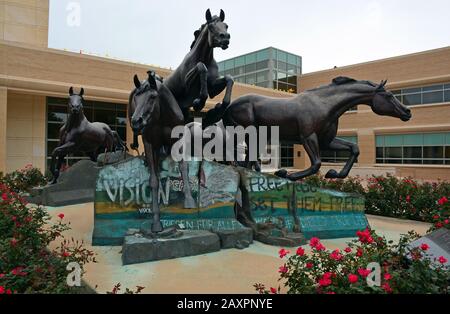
pixel 26 263
pixel 337 272
pixel 23 179
pixel 394 197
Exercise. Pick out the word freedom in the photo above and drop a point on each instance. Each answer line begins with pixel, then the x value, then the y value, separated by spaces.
pixel 210 143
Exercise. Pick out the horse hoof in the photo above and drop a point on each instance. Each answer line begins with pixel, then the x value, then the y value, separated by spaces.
pixel 157 227
pixel 282 173
pixel 189 203
pixel 198 104
pixel 332 174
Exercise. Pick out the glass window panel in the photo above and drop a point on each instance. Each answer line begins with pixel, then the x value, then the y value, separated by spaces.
pixel 433 97
pixel 250 79
pixel 262 55
pixel 342 154
pixel 413 139
pixel 121 121
pixel 239 61
pixel 292 69
pixel 292 80
pixel 400 98
pixel 412 161
pixel 437 87
pixel 393 152
pixel 281 76
pixel 105 116
pixel 393 161
pixel 380 161
pixel 262 76
pixel 262 65
pixel 282 66
pixel 412 99
pixel 393 140
pixel 299 61
pixel 250 68
pixel 412 152
pixel 412 90
pixel 447 95
pixel 434 138
pixel 53 130
pixel 239 70
pixel 57 113
pixel 229 64
pixel 396 92
pixel 263 84
pixel 220 66
pixel 447 86
pixel 380 152
pixel 447 138
pixel 282 86
pixel 291 59
pixel 447 152
pixel 433 161
pixel 104 106
pixel 433 152
pixel 122 131
pixel 379 140
pixel 251 58
pixel 51 145
pixel 282 56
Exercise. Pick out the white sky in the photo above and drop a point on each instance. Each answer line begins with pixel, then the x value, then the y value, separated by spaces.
pixel 325 33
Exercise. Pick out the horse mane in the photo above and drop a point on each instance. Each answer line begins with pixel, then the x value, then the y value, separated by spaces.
pixel 199 31
pixel 340 80
pixel 343 80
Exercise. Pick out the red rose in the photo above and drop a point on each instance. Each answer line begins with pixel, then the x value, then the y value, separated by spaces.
pixel 359 252
pixel 352 278
pixel 364 272
pixel 348 250
pixel 320 247
pixel 273 290
pixel 386 287
pixel 424 246
pixel 408 198
pixel 365 236
pixel 5 196
pixel 325 280
pixel 14 242
pixel 2 290
pixel 283 253
pixel 300 251
pixel 2 275
pixel 61 216
pixel 283 269
pixel 8 291
pixel 309 265
pixel 28 219
pixel 13 218
pixel 442 200
pixel 436 217
pixel 446 221
pixel 313 242
pixel 336 255
pixel 442 260
pixel 387 276
pixel 439 225
pixel 18 271
pixel 65 254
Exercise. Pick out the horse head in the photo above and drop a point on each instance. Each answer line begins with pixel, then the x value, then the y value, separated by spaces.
pixel 76 101
pixel 218 35
pixel 146 100
pixel 384 103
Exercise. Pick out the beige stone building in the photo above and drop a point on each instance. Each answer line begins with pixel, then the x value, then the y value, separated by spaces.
pixel 34 83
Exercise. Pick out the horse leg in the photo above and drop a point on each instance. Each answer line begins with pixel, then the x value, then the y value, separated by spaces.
pixel 59 152
pixel 216 86
pixel 154 185
pixel 189 201
pixel 311 146
pixel 342 145
pixel 202 71
pixel 92 156
pixel 135 145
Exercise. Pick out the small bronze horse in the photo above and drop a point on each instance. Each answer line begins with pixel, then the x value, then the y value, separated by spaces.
pixel 154 113
pixel 80 135
pixel 197 77
pixel 311 118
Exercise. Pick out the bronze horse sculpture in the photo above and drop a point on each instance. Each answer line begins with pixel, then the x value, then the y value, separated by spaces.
pixel 80 135
pixel 197 77
pixel 311 118
pixel 154 113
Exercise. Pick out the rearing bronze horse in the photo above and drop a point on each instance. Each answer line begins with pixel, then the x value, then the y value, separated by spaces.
pixel 80 135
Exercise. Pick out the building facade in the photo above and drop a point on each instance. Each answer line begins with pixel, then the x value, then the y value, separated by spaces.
pixel 34 83
pixel 269 68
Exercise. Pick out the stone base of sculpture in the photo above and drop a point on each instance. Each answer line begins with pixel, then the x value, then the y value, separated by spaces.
pixel 233 205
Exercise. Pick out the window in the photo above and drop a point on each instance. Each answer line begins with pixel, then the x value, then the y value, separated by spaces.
pixel 286 155
pixel 115 115
pixel 338 157
pixel 431 94
pixel 419 148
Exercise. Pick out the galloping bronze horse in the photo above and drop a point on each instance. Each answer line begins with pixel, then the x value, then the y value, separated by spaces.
pixel 311 118
pixel 80 135
pixel 197 77
pixel 154 112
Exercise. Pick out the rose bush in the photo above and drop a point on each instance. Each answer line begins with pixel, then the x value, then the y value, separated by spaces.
pixel 23 179
pixel 395 197
pixel 402 269
pixel 26 263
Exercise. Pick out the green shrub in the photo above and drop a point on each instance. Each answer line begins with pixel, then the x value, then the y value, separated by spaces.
pixel 402 269
pixel 23 179
pixel 26 263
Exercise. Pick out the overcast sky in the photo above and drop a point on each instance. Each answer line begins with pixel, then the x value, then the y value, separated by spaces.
pixel 325 33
